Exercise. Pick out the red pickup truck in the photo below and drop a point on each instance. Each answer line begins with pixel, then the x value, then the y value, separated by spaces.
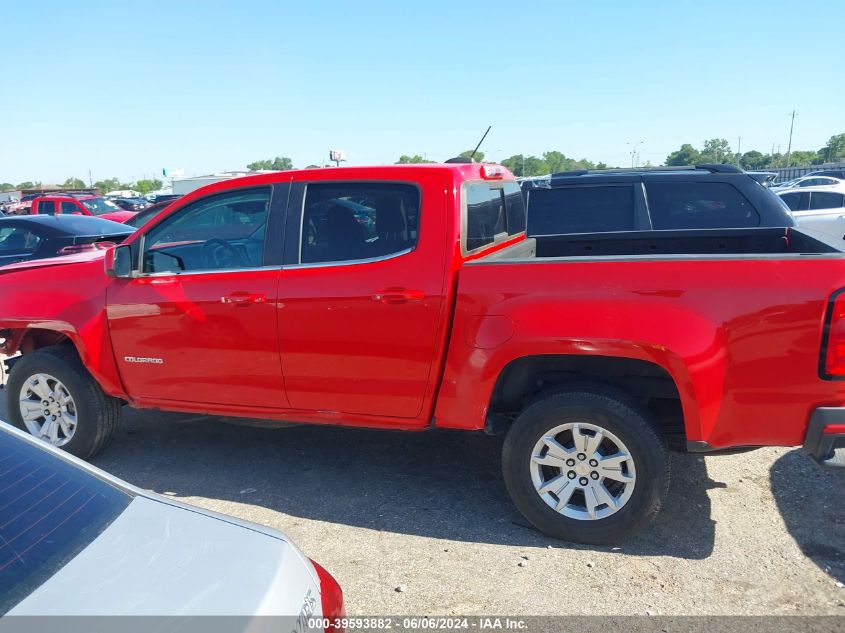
pixel 52 204
pixel 407 297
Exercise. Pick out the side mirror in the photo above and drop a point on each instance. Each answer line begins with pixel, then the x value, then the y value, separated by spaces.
pixel 119 262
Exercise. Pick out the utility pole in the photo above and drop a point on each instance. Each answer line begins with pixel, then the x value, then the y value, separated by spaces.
pixel 90 180
pixel 738 149
pixel 634 151
pixel 789 147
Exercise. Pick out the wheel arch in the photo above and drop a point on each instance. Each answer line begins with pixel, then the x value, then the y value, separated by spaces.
pixel 524 379
pixel 31 336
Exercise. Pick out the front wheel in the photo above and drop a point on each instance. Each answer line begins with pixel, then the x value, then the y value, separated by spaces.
pixel 586 465
pixel 53 397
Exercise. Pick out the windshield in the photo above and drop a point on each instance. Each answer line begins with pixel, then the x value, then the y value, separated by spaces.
pixel 51 510
pixel 99 206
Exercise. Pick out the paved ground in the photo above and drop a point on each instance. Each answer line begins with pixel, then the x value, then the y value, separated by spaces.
pixel 758 533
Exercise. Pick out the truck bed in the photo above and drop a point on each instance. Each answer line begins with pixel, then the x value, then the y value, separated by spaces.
pixel 762 241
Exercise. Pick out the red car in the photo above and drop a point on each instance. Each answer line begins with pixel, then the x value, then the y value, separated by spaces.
pixel 79 205
pixel 268 297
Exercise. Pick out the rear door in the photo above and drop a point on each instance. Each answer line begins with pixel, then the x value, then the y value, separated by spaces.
pixel 199 323
pixel 823 211
pixel 361 296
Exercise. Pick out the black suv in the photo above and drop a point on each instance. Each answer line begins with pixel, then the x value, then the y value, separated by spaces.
pixel 658 199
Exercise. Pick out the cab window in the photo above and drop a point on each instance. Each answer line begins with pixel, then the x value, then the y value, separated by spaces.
pixel 358 221
pixel 46 207
pixel 221 232
pixel 492 210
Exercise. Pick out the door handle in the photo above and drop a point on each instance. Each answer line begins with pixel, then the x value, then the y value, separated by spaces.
pixel 394 296
pixel 243 299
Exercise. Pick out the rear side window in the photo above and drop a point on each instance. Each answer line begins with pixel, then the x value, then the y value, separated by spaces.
pixel 592 209
pixel 358 221
pixel 826 200
pixel 698 205
pixel 46 207
pixel 50 511
pixel 792 200
pixel 492 209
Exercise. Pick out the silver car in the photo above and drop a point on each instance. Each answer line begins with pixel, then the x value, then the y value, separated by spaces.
pixel 77 541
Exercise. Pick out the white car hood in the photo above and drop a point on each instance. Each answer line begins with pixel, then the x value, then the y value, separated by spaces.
pixel 162 559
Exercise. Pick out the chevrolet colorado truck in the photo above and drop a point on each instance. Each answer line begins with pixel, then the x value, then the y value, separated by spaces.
pixel 408 297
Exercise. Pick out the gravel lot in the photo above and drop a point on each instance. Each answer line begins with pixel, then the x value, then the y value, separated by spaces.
pixel 755 533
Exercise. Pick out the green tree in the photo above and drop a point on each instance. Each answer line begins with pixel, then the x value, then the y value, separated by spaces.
pixel 74 183
pixel 146 186
pixel 686 155
pixel 521 165
pixel 717 150
pixel 404 159
pixel 110 184
pixel 834 151
pixel 6 186
pixel 752 160
pixel 280 163
pixel 802 157
pixel 26 184
pixel 478 157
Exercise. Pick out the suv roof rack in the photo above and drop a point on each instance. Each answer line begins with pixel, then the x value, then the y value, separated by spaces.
pixel 713 168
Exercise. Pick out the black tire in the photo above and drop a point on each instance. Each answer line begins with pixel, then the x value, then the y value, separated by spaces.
pixel 97 414
pixel 624 417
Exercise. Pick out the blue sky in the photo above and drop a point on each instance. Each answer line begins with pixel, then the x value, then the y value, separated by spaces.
pixel 125 89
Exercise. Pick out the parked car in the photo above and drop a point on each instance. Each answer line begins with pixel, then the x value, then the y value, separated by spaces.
pixel 628 201
pixel 22 206
pixel 79 205
pixel 810 181
pixel 833 173
pixel 131 204
pixel 265 297
pixel 818 208
pixel 78 541
pixel 29 237
pixel 163 197
pixel 142 217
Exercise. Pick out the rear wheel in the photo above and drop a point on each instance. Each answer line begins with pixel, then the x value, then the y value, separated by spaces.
pixel 586 465
pixel 53 397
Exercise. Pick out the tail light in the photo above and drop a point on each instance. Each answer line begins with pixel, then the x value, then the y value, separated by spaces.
pixel 331 598
pixel 82 248
pixel 833 345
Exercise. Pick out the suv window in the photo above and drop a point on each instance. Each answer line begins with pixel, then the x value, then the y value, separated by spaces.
pixel 584 209
pixel 492 209
pixel 220 232
pixel 69 207
pixel 698 205
pixel 826 200
pixel 46 207
pixel 356 220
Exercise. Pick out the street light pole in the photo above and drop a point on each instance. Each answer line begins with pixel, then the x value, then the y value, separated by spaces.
pixel 789 147
pixel 634 151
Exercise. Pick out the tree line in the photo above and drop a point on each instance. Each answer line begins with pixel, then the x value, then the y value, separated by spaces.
pixel 718 150
pixel 714 150
pixel 143 186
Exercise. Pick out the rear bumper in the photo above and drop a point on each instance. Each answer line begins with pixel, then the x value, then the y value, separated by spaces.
pixel 825 439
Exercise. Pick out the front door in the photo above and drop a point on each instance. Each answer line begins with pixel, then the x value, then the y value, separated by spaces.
pixel 359 307
pixel 199 323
